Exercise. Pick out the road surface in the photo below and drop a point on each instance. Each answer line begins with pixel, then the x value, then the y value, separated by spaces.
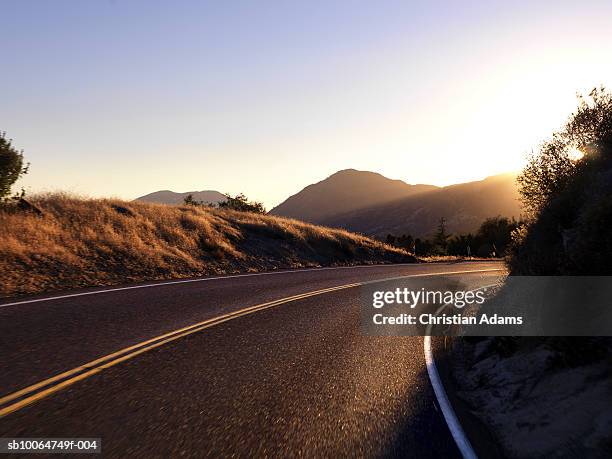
pixel 290 379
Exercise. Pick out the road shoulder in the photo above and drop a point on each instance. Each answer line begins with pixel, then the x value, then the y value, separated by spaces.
pixel 479 434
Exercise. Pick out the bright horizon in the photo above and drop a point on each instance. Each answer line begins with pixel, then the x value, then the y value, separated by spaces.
pixel 124 98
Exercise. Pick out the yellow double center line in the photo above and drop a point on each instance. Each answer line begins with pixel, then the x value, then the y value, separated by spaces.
pixel 49 386
pixel 58 382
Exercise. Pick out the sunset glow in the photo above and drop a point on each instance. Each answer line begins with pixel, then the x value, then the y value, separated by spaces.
pixel 267 98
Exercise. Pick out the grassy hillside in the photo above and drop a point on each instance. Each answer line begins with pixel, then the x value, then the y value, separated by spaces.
pixel 84 242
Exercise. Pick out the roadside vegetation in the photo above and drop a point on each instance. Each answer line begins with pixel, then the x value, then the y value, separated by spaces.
pixel 491 240
pixel 526 389
pixel 12 167
pixel 567 189
pixel 75 242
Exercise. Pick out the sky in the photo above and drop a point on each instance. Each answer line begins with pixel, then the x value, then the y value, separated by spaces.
pixel 123 98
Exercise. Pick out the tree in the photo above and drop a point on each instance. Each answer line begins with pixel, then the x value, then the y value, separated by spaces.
pixel 241 203
pixel 461 245
pixel 441 237
pixel 189 201
pixel 405 241
pixel 569 197
pixel 494 236
pixel 550 169
pixel 11 166
pixel 423 247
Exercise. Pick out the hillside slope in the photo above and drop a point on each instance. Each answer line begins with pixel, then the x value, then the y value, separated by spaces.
pixel 344 191
pixel 79 243
pixel 171 197
pixel 464 206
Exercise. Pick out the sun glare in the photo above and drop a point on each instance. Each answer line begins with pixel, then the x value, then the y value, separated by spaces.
pixel 575 154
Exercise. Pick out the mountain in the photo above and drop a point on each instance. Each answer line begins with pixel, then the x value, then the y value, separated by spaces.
pixel 345 191
pixel 464 206
pixel 170 197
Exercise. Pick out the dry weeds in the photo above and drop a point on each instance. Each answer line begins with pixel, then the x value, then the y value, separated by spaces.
pixel 86 242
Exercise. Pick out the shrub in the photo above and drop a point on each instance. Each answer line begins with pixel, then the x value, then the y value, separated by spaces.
pixel 550 170
pixel 11 166
pixel 241 203
pixel 190 201
pixel 568 198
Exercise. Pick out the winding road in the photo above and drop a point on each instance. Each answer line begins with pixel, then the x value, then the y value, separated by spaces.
pixel 253 365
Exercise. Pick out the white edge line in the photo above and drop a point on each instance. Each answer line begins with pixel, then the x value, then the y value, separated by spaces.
pixel 204 279
pixel 461 439
pixel 185 281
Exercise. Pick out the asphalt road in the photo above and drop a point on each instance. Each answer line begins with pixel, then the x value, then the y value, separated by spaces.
pixel 296 379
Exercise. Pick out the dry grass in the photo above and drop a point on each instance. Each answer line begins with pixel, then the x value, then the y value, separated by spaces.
pixel 452 258
pixel 84 242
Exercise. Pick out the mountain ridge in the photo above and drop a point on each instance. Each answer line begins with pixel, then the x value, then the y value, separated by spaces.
pixel 352 189
pixel 464 206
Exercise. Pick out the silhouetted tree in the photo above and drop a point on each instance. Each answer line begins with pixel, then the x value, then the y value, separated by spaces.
pixel 494 236
pixel 189 201
pixel 461 245
pixel 12 166
pixel 550 169
pixel 405 241
pixel 241 203
pixel 569 198
pixel 423 247
pixel 441 237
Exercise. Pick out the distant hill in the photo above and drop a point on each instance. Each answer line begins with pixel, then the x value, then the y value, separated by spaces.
pixel 464 206
pixel 345 191
pixel 170 197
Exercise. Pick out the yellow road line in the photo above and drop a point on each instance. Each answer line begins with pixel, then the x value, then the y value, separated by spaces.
pixel 95 366
pixel 125 354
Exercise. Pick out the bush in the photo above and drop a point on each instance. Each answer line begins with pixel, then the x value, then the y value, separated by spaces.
pixel 461 245
pixel 569 198
pixel 492 239
pixel 189 201
pixel 241 203
pixel 11 166
pixel 551 169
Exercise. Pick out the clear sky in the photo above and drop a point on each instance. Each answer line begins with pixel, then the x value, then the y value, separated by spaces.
pixel 124 98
